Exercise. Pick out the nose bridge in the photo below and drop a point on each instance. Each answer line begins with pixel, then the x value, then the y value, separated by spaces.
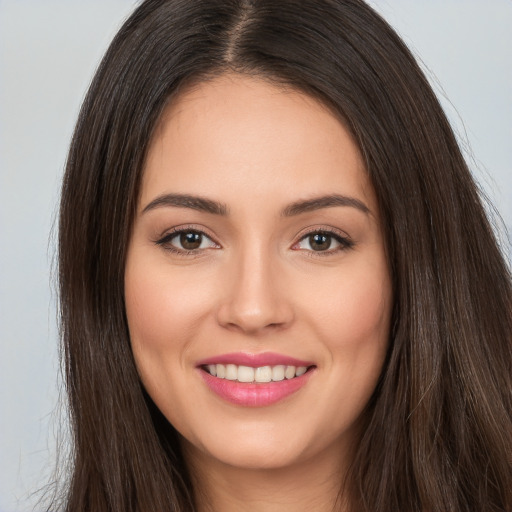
pixel 256 298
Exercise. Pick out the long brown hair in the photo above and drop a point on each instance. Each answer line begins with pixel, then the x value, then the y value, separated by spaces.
pixel 438 429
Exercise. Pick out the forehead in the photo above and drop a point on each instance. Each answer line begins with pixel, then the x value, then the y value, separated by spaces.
pixel 242 137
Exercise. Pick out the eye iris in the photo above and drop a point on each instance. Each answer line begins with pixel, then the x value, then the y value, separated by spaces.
pixel 191 240
pixel 319 242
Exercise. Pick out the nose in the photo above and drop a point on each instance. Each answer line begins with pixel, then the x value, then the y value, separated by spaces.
pixel 255 299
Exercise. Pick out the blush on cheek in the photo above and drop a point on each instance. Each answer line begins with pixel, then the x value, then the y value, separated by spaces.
pixel 358 315
pixel 158 307
pixel 371 311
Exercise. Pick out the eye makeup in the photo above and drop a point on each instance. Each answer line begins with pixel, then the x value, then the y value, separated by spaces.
pixel 190 240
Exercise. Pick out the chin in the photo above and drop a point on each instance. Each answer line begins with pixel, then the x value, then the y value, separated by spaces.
pixel 260 445
pixel 249 455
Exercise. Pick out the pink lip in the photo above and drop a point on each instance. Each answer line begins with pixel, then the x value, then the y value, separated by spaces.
pixel 253 394
pixel 254 360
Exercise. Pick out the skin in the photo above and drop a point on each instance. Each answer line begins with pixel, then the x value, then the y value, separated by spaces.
pixel 256 285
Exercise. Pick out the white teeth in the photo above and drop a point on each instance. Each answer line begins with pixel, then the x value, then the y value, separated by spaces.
pixel 221 371
pixel 260 374
pixel 263 374
pixel 289 373
pixel 231 372
pixel 245 374
pixel 278 373
pixel 301 370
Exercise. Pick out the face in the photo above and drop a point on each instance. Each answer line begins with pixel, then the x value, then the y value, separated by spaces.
pixel 258 293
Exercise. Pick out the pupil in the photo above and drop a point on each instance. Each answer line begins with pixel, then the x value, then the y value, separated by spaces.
pixel 320 242
pixel 190 240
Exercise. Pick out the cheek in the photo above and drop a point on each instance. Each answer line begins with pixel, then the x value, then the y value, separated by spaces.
pixel 354 325
pixel 162 305
pixel 356 311
pixel 164 308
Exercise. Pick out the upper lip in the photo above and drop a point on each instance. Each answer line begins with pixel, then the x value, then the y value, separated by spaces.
pixel 254 360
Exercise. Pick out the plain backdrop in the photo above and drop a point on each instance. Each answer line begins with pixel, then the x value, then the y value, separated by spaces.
pixel 49 50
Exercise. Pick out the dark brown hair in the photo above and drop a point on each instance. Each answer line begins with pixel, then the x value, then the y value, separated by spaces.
pixel 438 429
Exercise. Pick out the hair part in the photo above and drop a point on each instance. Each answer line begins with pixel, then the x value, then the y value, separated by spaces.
pixel 438 430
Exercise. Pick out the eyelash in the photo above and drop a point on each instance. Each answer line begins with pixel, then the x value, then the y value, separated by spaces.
pixel 344 241
pixel 164 242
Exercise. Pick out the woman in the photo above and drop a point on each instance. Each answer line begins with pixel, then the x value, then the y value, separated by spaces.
pixel 279 289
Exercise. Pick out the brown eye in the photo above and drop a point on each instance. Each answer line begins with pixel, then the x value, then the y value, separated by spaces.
pixel 324 242
pixel 320 241
pixel 191 240
pixel 186 241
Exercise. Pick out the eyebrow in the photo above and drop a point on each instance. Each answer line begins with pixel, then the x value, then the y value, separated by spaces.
pixel 328 201
pixel 188 201
pixel 216 208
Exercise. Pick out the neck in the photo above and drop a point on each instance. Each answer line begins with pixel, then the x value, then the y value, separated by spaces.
pixel 314 484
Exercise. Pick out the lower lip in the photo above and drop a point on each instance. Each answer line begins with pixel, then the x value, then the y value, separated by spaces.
pixel 252 394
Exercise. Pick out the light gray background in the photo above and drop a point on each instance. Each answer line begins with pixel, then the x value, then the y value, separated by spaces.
pixel 48 52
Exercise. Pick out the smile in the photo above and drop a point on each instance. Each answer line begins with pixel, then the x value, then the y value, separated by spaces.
pixel 255 380
pixel 260 374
